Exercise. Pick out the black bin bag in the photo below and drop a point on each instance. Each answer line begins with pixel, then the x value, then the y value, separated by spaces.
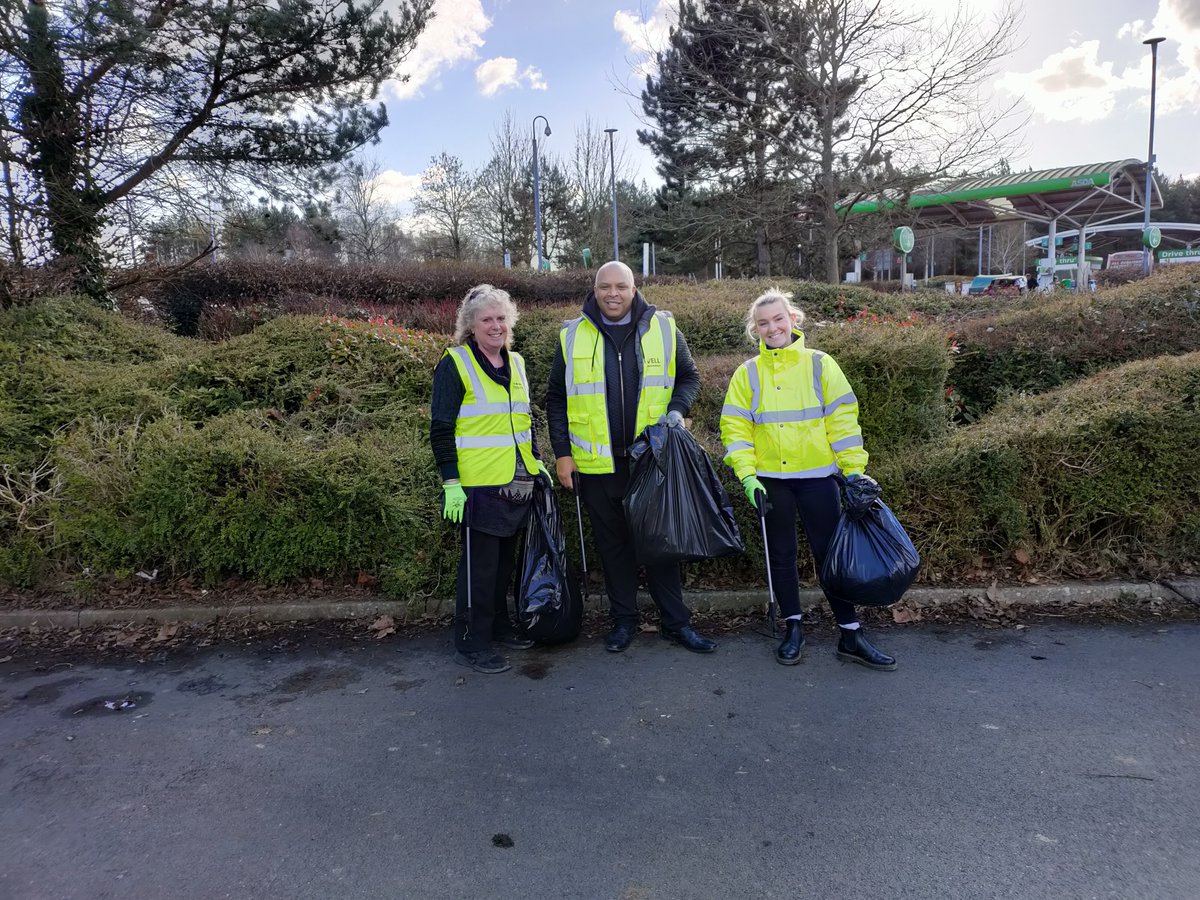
pixel 549 603
pixel 675 505
pixel 871 560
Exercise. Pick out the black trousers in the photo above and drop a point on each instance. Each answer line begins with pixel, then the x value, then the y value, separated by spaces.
pixel 818 503
pixel 602 495
pixel 492 563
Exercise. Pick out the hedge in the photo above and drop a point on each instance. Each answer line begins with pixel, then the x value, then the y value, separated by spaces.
pixel 1035 349
pixel 301 450
pixel 1090 477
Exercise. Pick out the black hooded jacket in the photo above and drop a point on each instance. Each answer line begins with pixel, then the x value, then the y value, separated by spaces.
pixel 622 365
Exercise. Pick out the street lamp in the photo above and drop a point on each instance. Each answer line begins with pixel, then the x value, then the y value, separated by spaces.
pixel 612 165
pixel 537 203
pixel 1146 251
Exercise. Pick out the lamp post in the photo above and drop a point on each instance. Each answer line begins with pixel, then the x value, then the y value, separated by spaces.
pixel 1146 251
pixel 537 202
pixel 612 165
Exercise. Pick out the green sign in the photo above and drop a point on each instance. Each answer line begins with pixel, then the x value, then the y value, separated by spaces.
pixel 1151 237
pixel 1188 255
pixel 903 239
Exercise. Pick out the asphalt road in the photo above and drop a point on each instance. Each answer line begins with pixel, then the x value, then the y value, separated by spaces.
pixel 1049 762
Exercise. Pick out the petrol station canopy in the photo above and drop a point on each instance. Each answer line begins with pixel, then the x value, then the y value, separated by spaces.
pixel 1081 196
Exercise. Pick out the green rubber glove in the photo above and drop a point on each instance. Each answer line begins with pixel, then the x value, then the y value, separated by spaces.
pixel 753 486
pixel 455 501
pixel 540 471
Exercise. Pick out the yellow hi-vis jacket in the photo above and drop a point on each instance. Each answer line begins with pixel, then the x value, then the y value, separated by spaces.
pixel 493 424
pixel 587 406
pixel 790 413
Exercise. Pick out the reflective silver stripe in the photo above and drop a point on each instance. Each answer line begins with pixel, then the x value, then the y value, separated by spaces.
pixel 668 351
pixel 789 415
pixel 520 367
pixel 755 386
pixel 488 441
pixel 843 400
pixel 579 390
pixel 666 381
pixel 569 353
pixel 730 410
pixel 819 472
pixel 739 445
pixel 500 408
pixel 603 450
pixel 846 443
pixel 520 408
pixel 817 386
pixel 476 385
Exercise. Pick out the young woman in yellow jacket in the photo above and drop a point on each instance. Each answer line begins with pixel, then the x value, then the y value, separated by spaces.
pixel 790 430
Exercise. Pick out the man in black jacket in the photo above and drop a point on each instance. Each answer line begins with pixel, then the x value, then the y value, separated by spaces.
pixel 608 360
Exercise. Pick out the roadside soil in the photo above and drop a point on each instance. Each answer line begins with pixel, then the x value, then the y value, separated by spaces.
pixel 160 643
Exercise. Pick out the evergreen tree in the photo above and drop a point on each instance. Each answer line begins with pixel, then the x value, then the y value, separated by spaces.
pixel 115 92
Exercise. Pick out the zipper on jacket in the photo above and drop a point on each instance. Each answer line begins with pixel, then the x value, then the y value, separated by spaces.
pixel 621 381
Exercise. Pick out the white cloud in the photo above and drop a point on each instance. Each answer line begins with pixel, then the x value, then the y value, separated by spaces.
pixel 1131 29
pixel 1072 85
pixel 500 72
pixel 397 188
pixel 1077 85
pixel 453 35
pixel 644 37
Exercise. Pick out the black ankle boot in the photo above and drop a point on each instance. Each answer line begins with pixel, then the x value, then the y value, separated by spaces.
pixel 788 653
pixel 853 646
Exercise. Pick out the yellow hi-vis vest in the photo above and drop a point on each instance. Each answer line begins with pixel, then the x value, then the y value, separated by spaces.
pixel 493 424
pixel 790 413
pixel 587 408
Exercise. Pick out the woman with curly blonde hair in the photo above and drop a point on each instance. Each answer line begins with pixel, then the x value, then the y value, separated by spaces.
pixel 484 445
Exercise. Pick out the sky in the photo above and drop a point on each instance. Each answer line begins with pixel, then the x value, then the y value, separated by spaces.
pixel 1079 74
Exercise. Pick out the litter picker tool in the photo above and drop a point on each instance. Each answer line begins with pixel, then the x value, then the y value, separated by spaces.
pixel 760 506
pixel 582 549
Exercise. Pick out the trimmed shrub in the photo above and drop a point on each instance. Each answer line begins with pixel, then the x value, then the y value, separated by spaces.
pixel 245 496
pixel 1036 349
pixel 333 371
pixel 402 291
pixel 1081 480
pixel 64 359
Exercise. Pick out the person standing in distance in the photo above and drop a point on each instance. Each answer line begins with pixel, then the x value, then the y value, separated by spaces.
pixel 485 448
pixel 790 430
pixel 622 365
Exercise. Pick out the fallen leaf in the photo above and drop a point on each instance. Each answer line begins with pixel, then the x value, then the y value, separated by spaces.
pixel 902 615
pixel 993 591
pixel 166 632
pixel 647 628
pixel 383 626
pixel 1021 556
pixel 364 579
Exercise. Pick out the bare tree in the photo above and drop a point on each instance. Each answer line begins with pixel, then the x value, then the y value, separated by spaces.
pixel 895 103
pixel 367 220
pixel 446 201
pixel 503 217
pixel 590 171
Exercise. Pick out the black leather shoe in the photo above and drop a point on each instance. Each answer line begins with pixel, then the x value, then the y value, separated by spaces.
pixel 687 637
pixel 853 646
pixel 620 637
pixel 788 653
